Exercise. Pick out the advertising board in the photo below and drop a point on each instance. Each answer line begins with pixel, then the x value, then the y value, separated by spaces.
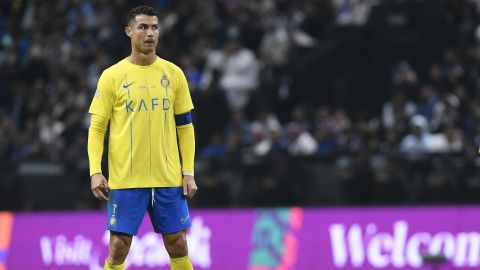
pixel 257 239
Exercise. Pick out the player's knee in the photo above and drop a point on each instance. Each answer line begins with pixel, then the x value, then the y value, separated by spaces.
pixel 118 250
pixel 176 245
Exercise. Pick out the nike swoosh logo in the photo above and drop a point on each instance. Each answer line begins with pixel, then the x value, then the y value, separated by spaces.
pixel 128 85
pixel 184 220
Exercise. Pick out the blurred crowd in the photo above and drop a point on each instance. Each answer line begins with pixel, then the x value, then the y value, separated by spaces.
pixel 244 61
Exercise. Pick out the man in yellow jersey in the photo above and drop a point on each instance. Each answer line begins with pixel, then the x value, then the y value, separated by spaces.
pixel 151 145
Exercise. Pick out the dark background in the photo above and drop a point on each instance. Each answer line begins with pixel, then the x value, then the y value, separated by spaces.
pixel 339 66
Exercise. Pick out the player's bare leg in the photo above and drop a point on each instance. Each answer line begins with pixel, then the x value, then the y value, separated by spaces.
pixel 118 248
pixel 176 245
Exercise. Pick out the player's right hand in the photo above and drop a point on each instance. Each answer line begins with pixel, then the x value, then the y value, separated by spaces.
pixel 99 186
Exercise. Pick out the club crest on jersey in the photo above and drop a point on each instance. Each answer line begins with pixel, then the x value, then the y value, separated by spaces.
pixel 165 82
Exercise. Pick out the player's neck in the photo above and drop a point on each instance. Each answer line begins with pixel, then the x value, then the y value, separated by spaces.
pixel 141 59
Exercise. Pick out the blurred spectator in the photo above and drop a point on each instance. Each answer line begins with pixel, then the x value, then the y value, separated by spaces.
pixel 445 111
pixel 427 101
pixel 302 143
pixel 261 141
pixel 239 127
pixel 416 144
pixel 239 72
pixel 353 12
pixel 266 121
pixel 216 148
pixel 396 110
pixel 275 44
pixel 421 142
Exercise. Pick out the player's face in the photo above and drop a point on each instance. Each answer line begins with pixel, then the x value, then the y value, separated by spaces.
pixel 144 33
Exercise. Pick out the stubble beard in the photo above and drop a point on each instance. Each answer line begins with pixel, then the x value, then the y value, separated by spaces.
pixel 146 51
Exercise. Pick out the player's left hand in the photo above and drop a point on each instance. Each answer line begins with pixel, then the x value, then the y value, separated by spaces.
pixel 189 186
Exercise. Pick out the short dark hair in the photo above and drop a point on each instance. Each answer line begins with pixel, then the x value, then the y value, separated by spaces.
pixel 140 10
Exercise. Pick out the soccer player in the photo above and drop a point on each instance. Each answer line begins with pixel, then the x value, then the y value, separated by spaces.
pixel 151 145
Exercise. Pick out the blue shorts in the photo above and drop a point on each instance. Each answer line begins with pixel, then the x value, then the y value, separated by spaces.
pixel 167 208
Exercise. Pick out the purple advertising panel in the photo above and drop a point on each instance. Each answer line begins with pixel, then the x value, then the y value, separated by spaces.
pixel 79 241
pixel 258 239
